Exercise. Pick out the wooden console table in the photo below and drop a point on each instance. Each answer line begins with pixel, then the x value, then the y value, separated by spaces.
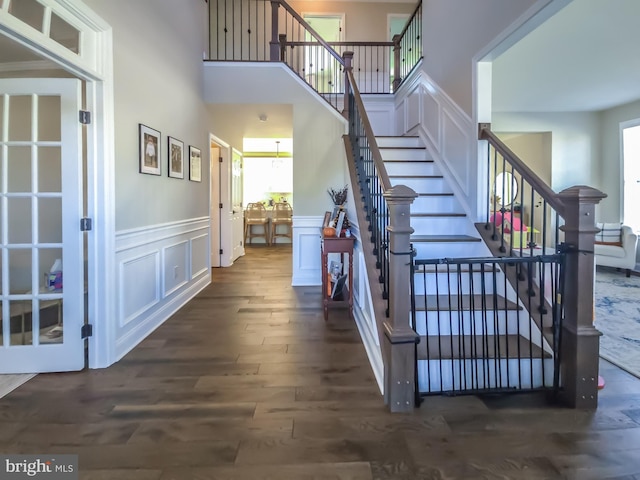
pixel 343 246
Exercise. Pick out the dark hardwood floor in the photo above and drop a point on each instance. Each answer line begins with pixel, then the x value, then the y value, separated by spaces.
pixel 248 382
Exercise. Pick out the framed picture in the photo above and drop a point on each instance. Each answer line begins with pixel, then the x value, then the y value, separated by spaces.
pixel 327 219
pixel 340 222
pixel 195 164
pixel 149 140
pixel 176 158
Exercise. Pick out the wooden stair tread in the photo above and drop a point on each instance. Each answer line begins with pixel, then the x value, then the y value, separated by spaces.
pixel 399 160
pixel 436 215
pixel 508 346
pixel 441 194
pixel 416 176
pixel 402 147
pixel 442 238
pixel 488 268
pixel 445 194
pixel 463 303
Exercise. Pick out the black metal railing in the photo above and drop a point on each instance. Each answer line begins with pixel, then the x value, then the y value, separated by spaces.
pixel 272 31
pixel 476 334
pixel 372 179
pixel 372 66
pixel 523 212
pixel 408 47
pixel 240 30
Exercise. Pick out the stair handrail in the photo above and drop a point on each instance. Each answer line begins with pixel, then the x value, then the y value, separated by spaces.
pixel 529 175
pixel 388 210
pixel 311 30
pixel 575 238
pixel 412 28
pixel 368 131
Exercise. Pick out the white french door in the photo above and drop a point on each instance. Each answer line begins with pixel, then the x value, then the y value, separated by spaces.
pixel 41 203
pixel 237 211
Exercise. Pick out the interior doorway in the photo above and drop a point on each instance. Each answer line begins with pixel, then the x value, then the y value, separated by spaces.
pixel 631 173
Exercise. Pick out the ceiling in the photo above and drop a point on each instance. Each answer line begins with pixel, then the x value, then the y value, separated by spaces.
pixel 584 58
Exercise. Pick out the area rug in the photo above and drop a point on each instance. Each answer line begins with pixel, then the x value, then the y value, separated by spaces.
pixel 8 383
pixel 618 318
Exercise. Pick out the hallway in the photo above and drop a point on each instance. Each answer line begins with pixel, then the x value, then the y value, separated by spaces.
pixel 248 382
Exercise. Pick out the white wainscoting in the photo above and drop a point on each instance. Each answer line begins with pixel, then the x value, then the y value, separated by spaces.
pixel 423 108
pixel 306 251
pixel 363 311
pixel 160 268
pixel 380 110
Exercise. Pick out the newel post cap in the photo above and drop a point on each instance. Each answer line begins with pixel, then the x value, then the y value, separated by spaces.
pixel 400 194
pixel 583 193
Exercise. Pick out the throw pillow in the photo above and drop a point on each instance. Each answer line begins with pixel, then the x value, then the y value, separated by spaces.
pixel 610 234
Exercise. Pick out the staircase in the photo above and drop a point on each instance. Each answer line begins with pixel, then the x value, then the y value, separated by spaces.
pixel 475 331
pixel 442 229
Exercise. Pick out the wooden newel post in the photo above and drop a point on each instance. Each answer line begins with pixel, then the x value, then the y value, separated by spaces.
pixel 348 66
pixel 580 344
pixel 274 44
pixel 396 62
pixel 400 339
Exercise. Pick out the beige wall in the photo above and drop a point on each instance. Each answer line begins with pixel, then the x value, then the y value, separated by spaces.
pixel 158 52
pixel 454 31
pixel 319 154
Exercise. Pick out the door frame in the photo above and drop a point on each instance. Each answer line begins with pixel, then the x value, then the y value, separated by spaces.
pixel 95 68
pixel 623 126
pixel 215 186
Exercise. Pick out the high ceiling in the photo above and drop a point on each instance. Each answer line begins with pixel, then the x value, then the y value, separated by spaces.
pixel 584 58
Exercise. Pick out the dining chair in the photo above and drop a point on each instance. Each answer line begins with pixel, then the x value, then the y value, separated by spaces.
pixel 282 215
pixel 255 216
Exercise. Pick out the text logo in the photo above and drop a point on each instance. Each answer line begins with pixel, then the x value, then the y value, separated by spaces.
pixel 52 467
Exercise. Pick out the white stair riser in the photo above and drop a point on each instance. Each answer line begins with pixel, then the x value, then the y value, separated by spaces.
pixel 422 185
pixel 411 167
pixel 430 250
pixel 442 225
pixel 399 142
pixel 431 373
pixel 404 154
pixel 465 323
pixel 436 204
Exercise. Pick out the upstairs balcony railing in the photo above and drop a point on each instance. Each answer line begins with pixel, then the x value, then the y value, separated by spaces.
pixel 272 31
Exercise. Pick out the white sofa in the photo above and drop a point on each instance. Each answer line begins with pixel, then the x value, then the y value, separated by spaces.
pixel 616 246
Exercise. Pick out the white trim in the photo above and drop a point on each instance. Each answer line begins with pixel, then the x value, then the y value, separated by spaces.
pixel 197 273
pixel 163 298
pixel 306 268
pixel 123 319
pixel 624 125
pixel 187 266
pixel 374 353
pixel 440 140
pixel 136 237
pixel 95 66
